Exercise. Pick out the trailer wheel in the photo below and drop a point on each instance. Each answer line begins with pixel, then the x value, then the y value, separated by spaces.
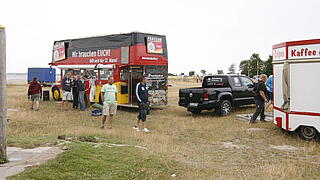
pixel 224 108
pixel 56 94
pixel 308 133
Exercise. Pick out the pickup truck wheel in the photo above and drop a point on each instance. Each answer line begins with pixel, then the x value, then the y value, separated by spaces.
pixel 308 133
pixel 224 108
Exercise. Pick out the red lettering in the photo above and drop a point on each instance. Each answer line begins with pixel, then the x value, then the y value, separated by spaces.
pixel 293 52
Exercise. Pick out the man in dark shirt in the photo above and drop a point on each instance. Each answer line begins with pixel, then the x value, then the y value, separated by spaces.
pixel 260 99
pixel 143 102
pixel 75 93
pixel 66 90
pixel 81 90
pixel 35 91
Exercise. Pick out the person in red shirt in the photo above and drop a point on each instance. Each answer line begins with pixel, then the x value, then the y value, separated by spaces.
pixel 87 94
pixel 35 91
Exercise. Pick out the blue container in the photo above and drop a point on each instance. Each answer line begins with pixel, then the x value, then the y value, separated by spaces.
pixel 96 113
pixel 46 76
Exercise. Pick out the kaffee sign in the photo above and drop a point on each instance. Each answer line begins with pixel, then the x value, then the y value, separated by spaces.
pixel 304 51
pixel 296 50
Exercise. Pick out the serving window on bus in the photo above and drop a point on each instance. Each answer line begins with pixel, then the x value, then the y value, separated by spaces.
pixel 157 83
pixel 90 73
pixel 157 76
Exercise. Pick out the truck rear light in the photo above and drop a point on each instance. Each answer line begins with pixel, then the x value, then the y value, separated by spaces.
pixel 205 96
pixel 279 121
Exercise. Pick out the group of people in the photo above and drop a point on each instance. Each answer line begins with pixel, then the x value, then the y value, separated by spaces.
pixel 263 90
pixel 75 88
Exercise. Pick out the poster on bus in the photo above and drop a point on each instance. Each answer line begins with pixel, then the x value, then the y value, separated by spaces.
pixel 154 45
pixel 58 51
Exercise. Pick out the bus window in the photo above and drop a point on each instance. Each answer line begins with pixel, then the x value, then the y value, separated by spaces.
pixel 65 71
pixel 76 72
pixel 92 74
pixel 156 71
pixel 104 74
pixel 157 77
pixel 124 74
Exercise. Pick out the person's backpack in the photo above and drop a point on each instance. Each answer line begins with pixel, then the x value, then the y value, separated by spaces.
pixel 256 87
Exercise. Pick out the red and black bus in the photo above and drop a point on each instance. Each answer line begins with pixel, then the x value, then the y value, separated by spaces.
pixel 126 57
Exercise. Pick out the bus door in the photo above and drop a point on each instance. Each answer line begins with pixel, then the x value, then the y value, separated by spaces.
pixel 130 76
pixel 136 72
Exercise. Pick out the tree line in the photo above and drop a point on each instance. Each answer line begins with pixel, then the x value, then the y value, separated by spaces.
pixel 249 67
pixel 256 66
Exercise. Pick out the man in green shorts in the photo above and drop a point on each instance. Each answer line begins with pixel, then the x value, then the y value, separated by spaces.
pixel 109 99
pixel 35 91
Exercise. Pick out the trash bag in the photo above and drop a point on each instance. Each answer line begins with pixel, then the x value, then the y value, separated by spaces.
pixel 97 106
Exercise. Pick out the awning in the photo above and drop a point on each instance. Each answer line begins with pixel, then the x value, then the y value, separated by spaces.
pixel 87 66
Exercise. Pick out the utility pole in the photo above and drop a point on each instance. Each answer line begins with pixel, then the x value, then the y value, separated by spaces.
pixel 257 67
pixel 3 101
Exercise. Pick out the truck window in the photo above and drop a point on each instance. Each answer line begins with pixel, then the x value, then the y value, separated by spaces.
pixel 236 81
pixel 215 81
pixel 246 81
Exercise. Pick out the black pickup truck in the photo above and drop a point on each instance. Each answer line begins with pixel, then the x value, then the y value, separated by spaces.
pixel 219 92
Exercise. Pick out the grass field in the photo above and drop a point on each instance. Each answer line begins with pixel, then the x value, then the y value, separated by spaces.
pixel 191 147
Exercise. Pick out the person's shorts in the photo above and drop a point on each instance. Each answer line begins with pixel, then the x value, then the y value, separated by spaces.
pixel 66 96
pixel 35 97
pixel 109 109
pixel 270 96
pixel 143 111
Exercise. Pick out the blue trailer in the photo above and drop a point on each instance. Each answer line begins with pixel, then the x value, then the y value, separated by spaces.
pixel 46 76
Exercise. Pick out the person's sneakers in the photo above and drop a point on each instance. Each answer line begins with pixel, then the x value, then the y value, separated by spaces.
pixel 262 120
pixel 135 128
pixel 146 130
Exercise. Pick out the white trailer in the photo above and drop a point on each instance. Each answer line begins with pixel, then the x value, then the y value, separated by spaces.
pixel 296 68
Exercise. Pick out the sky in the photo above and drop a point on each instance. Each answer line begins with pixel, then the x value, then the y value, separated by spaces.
pixel 202 34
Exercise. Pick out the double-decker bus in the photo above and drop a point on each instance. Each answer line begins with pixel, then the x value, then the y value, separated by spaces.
pixel 126 57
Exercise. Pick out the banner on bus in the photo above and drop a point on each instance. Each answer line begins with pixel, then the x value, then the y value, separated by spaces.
pixel 59 51
pixel 154 45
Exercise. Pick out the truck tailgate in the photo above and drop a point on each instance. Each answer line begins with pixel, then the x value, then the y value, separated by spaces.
pixel 190 95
